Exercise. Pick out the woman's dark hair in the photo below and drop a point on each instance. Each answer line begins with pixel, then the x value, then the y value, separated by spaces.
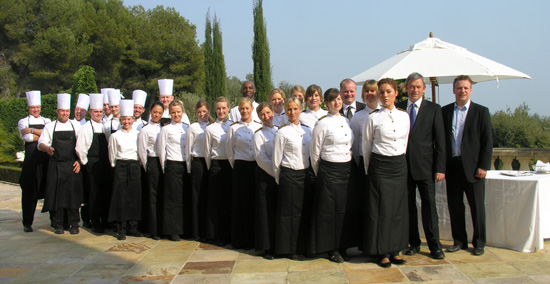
pixel 156 103
pixel 331 94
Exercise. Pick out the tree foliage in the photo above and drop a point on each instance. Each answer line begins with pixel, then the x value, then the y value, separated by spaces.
pixel 519 129
pixel 214 62
pixel 44 42
pixel 260 55
pixel 84 81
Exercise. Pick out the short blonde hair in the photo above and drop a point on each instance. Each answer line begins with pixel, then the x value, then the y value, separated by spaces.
pixel 277 91
pixel 261 107
pixel 298 88
pixel 294 100
pixel 243 101
pixel 176 103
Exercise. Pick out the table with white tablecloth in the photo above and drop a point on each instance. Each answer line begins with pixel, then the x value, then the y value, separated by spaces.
pixel 517 211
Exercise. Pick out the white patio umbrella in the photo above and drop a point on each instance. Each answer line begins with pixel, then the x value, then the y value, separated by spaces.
pixel 439 62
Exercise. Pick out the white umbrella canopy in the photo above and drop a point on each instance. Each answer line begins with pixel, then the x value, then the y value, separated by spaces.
pixel 441 62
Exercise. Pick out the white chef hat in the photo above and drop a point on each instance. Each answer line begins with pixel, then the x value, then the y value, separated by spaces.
pixel 33 98
pixel 105 93
pixel 83 101
pixel 166 87
pixel 126 108
pixel 139 97
pixel 63 101
pixel 96 101
pixel 121 95
pixel 114 97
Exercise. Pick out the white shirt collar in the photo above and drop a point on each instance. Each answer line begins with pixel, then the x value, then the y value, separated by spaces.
pixel 417 103
pixel 467 105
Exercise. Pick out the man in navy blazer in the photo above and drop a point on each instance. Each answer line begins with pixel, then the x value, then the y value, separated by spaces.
pixel 426 163
pixel 469 141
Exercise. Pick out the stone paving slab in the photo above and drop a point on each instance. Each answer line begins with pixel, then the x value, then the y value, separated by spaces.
pixel 43 257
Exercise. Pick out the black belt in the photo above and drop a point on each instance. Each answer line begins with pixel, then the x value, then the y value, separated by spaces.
pixel 457 158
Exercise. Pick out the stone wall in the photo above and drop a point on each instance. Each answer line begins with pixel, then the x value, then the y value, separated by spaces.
pixel 522 154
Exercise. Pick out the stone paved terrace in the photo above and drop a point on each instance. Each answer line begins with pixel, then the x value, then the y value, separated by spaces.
pixel 43 257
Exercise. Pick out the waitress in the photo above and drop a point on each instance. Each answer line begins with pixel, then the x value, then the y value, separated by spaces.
pixel 33 172
pixel 240 153
pixel 92 150
pixel 125 209
pixel 266 187
pixel 148 157
pixel 63 194
pixel 314 112
pixel 171 151
pixel 290 166
pixel 196 166
pixel 385 136
pixel 218 225
pixel 330 154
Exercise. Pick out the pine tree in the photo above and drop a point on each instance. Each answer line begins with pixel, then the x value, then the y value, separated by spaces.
pixel 260 55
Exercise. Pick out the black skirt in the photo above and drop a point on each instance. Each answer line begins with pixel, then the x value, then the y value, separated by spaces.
pixel 199 193
pixel 293 212
pixel 218 222
pixel 386 221
pixel 175 214
pixel 153 196
pixel 330 205
pixel 126 192
pixel 242 217
pixel 266 204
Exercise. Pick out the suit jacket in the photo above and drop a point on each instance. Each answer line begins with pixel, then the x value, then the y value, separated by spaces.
pixel 426 147
pixel 477 141
pixel 358 105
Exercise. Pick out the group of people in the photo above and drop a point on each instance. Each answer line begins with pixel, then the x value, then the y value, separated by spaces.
pixel 285 177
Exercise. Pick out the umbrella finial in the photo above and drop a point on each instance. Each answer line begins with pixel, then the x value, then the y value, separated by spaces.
pixel 431 34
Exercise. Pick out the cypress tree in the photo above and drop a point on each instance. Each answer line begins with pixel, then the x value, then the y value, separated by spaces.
pixel 219 77
pixel 207 49
pixel 260 55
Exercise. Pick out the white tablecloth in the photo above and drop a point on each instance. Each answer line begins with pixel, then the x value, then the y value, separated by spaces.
pixel 517 211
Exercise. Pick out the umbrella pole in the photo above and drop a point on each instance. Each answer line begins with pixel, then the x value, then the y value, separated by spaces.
pixel 433 82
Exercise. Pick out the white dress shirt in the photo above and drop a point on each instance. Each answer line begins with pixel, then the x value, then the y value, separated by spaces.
pixel 353 108
pixel 238 143
pixel 279 119
pixel 263 148
pixel 331 140
pixel 309 117
pixel 171 143
pixel 82 121
pixel 459 117
pixel 214 141
pixel 386 133
pixel 417 103
pixel 47 133
pixel 147 142
pixel 106 118
pixel 123 146
pixel 114 124
pixel 235 115
pixel 30 120
pixel 138 124
pixel 291 148
pixel 195 142
pixel 85 139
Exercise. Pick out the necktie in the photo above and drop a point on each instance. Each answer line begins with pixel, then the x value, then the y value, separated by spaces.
pixel 413 115
pixel 349 114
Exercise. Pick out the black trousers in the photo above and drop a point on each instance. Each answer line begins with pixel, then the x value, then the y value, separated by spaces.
pixel 430 220
pixel 457 186
pixel 28 207
pixel 127 226
pixel 153 196
pixel 70 214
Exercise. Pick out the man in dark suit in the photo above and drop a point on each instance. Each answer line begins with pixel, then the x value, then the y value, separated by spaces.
pixel 350 106
pixel 426 163
pixel 469 141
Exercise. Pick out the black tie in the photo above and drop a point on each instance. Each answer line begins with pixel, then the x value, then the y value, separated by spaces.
pixel 349 114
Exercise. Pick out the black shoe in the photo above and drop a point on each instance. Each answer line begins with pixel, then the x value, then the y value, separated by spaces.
pixel 87 224
pixel 27 229
pixel 135 234
pixel 297 257
pixel 457 247
pixel 437 254
pixel 412 250
pixel 397 261
pixel 121 237
pixel 74 230
pixel 344 254
pixel 66 227
pixel 479 251
pixel 335 256
pixel 384 264
pixel 174 238
pixel 268 256
pixel 59 231
pixel 155 237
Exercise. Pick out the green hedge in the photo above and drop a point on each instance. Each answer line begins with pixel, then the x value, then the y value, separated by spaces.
pixel 12 110
pixel 10 174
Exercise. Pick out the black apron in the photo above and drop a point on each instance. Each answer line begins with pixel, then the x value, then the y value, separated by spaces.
pixel 33 172
pixel 99 176
pixel 63 186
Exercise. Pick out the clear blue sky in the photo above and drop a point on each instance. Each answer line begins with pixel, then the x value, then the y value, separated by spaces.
pixel 322 42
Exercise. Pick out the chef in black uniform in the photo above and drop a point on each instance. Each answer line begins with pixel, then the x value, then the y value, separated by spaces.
pixel 63 194
pixel 33 173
